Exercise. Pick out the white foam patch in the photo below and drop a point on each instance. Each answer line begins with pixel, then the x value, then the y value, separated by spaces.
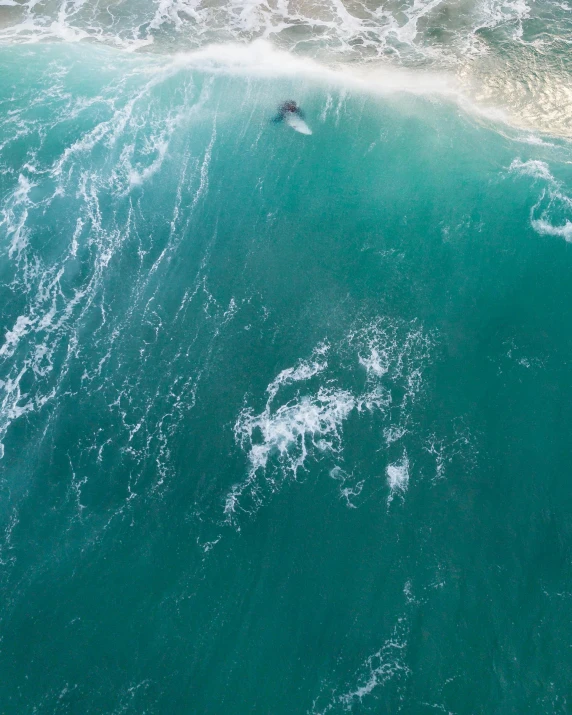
pixel 385 665
pixel 308 405
pixel 533 167
pixel 340 29
pixel 549 216
pixel 349 489
pixel 12 337
pixel 378 669
pixel 544 228
pixel 398 478
pixel 14 215
pixel 290 430
pixel 374 362
pixel 286 431
pixel 261 58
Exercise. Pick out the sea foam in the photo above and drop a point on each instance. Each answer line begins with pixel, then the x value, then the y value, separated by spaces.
pixel 309 404
pixel 551 214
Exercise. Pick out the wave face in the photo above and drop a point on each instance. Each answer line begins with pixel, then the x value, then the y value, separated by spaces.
pixel 284 416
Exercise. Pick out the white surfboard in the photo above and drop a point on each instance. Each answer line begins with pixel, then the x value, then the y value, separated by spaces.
pixel 297 123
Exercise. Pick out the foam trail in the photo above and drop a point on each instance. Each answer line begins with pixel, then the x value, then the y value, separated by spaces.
pixel 398 478
pixel 378 670
pixel 549 216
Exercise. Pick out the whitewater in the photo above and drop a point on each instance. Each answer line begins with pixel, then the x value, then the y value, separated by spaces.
pixel 285 407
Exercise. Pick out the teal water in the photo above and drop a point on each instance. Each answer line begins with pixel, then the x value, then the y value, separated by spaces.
pixel 285 418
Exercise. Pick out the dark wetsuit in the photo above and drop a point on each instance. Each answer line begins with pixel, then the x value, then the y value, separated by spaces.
pixel 286 108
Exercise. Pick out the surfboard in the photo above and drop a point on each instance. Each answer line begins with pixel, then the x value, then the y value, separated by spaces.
pixel 297 123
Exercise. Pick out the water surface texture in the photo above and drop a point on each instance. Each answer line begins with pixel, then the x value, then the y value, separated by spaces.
pixel 285 418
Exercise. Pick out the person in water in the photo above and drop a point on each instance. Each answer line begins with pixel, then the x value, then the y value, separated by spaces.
pixel 286 108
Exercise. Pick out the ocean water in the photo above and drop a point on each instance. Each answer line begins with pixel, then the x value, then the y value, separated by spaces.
pixel 285 418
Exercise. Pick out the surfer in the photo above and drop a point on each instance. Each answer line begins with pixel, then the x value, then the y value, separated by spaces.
pixel 286 109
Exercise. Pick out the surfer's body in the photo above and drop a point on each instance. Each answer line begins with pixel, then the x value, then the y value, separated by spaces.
pixel 286 109
pixel 291 114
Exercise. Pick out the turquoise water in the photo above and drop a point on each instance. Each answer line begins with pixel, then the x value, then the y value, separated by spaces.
pixel 284 418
